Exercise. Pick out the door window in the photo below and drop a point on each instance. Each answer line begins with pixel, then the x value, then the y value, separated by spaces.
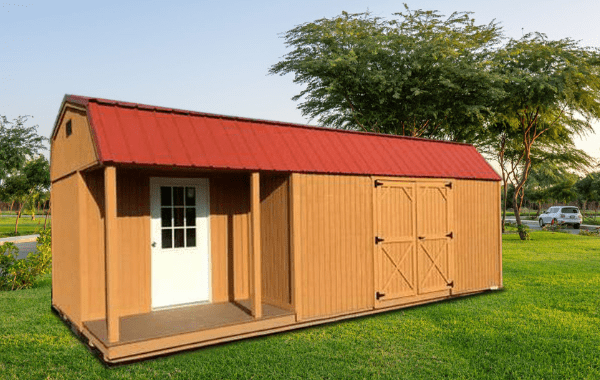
pixel 178 216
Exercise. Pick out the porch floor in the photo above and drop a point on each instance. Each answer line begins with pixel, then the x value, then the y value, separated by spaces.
pixel 181 320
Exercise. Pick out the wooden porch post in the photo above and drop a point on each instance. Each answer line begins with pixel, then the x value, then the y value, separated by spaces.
pixel 255 263
pixel 110 244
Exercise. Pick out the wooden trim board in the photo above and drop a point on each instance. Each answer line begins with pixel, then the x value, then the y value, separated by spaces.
pixel 111 252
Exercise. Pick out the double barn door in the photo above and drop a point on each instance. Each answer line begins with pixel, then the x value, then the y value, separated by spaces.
pixel 413 242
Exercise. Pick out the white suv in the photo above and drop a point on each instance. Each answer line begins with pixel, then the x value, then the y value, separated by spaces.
pixel 562 215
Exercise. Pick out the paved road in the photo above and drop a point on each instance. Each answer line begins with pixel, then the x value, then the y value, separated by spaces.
pixel 533 225
pixel 25 248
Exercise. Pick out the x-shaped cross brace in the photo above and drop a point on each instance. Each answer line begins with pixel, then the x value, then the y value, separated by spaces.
pixel 397 266
pixel 434 263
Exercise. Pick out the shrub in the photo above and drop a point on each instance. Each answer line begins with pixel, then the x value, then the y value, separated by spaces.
pixel 594 232
pixel 17 273
pixel 510 228
pixel 42 260
pixel 555 227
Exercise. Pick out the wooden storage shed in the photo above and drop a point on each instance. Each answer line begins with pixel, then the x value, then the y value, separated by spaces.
pixel 174 229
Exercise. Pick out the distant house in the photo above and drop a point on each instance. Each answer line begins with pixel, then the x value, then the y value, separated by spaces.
pixel 174 229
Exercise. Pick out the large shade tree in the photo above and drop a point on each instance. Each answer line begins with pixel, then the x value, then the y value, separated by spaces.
pixel 521 101
pixel 419 74
pixel 552 93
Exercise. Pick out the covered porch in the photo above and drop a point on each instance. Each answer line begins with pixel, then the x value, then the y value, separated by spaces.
pixel 122 335
pixel 193 326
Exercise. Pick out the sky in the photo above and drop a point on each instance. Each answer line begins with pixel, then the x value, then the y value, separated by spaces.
pixel 209 56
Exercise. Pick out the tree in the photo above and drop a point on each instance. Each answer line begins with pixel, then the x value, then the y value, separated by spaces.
pixel 588 190
pixel 546 173
pixel 597 189
pixel 17 189
pixel 523 100
pixel 26 184
pixel 45 201
pixel 499 142
pixel 551 162
pixel 564 191
pixel 551 93
pixel 419 75
pixel 17 144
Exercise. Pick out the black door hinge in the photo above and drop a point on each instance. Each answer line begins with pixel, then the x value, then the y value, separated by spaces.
pixel 378 240
pixel 378 183
pixel 449 185
pixel 451 284
pixel 450 235
pixel 379 295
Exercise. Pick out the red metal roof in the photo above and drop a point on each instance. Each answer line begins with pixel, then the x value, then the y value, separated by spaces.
pixel 129 133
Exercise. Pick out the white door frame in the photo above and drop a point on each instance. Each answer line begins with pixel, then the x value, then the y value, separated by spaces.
pixel 202 230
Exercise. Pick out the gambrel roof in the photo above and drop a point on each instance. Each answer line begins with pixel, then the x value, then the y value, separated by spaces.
pixel 130 133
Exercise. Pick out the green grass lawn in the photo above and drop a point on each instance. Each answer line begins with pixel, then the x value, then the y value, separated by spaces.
pixel 545 324
pixel 26 225
pixel 38 211
pixel 523 214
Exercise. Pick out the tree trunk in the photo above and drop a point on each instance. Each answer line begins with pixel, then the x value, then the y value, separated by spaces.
pixel 501 152
pixel 11 206
pixel 505 190
pixel 517 208
pixel 17 221
pixel 519 192
pixel 46 219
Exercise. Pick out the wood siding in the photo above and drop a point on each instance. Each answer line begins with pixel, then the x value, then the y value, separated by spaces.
pixel 133 245
pixel 230 236
pixel 477 244
pixel 92 254
pixel 275 238
pixel 133 223
pixel 333 244
pixel 67 279
pixel 74 152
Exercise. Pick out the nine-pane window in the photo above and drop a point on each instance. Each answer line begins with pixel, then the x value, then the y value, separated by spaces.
pixel 178 216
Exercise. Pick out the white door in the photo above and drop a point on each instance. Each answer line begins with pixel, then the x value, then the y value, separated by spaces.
pixel 180 241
